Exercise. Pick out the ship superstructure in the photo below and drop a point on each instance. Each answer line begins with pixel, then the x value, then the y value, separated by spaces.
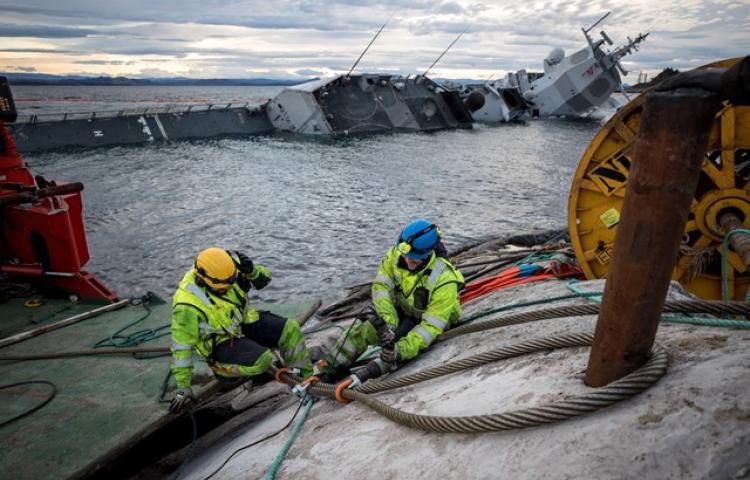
pixel 576 84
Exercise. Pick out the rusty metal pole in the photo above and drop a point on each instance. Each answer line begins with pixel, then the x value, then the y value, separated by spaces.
pixel 668 154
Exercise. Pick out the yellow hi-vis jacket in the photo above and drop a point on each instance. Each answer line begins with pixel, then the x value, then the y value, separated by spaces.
pixel 201 320
pixel 395 286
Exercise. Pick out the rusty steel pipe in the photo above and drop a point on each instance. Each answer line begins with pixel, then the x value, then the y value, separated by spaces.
pixel 740 242
pixel 668 154
pixel 34 196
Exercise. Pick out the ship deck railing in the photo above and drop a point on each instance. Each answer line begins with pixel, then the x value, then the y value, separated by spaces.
pixel 159 110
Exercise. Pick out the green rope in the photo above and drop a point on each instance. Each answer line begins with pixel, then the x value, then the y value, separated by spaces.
pixel 672 317
pixel 537 257
pixel 725 265
pixel 117 340
pixel 288 444
pixel 511 306
pixel 571 284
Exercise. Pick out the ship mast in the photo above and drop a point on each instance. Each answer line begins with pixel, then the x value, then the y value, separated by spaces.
pixel 367 48
pixel 444 52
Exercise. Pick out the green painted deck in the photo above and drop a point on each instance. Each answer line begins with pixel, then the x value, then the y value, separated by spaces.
pixel 102 402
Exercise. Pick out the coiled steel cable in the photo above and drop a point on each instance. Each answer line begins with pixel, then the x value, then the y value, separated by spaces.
pixel 574 406
pixel 621 389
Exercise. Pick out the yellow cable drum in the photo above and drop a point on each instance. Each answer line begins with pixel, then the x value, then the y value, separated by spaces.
pixel 601 179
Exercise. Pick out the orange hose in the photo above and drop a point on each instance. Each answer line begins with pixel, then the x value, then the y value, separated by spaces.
pixel 497 283
pixel 343 385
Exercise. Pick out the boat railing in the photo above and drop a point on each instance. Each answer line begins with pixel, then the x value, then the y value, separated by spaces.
pixel 129 112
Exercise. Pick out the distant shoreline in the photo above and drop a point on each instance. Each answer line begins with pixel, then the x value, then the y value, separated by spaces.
pixel 52 80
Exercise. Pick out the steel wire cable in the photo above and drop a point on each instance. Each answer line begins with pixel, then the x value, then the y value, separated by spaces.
pixel 573 406
pixel 626 387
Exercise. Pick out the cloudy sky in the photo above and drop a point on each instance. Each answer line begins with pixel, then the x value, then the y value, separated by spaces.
pixel 303 38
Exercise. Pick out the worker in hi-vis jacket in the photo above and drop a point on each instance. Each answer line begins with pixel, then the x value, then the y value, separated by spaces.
pixel 211 316
pixel 414 299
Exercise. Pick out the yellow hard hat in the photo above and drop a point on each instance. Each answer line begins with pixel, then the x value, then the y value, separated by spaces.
pixel 216 268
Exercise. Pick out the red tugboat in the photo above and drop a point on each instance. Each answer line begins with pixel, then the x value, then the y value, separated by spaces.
pixel 43 239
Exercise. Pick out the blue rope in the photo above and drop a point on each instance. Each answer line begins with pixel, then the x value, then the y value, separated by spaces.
pixel 295 430
pixel 725 265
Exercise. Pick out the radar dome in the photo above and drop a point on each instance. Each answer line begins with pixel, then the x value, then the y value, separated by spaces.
pixel 555 56
pixel 474 101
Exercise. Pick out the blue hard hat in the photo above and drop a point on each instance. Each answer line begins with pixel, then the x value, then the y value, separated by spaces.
pixel 418 239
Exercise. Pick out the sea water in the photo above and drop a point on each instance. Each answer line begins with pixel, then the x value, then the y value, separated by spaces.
pixel 318 214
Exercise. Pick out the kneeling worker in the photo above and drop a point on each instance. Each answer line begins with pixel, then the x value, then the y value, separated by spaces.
pixel 415 298
pixel 211 315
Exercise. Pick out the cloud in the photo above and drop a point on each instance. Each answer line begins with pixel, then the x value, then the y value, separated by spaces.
pixel 38 50
pixel 20 69
pixel 309 72
pixel 103 62
pixel 233 37
pixel 154 73
pixel 43 31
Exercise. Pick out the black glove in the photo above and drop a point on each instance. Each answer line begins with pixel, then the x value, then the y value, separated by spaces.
pixel 262 277
pixel 385 332
pixel 245 265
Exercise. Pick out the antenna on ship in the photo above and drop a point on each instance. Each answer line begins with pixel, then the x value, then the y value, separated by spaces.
pixel 604 35
pixel 444 52
pixel 489 78
pixel 367 47
pixel 587 30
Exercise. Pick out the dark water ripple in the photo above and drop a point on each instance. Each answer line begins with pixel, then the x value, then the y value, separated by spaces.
pixel 318 214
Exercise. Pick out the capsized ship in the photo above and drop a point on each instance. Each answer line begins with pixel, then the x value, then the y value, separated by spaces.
pixel 370 103
pixel 574 85
pixel 338 106
pixel 361 103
